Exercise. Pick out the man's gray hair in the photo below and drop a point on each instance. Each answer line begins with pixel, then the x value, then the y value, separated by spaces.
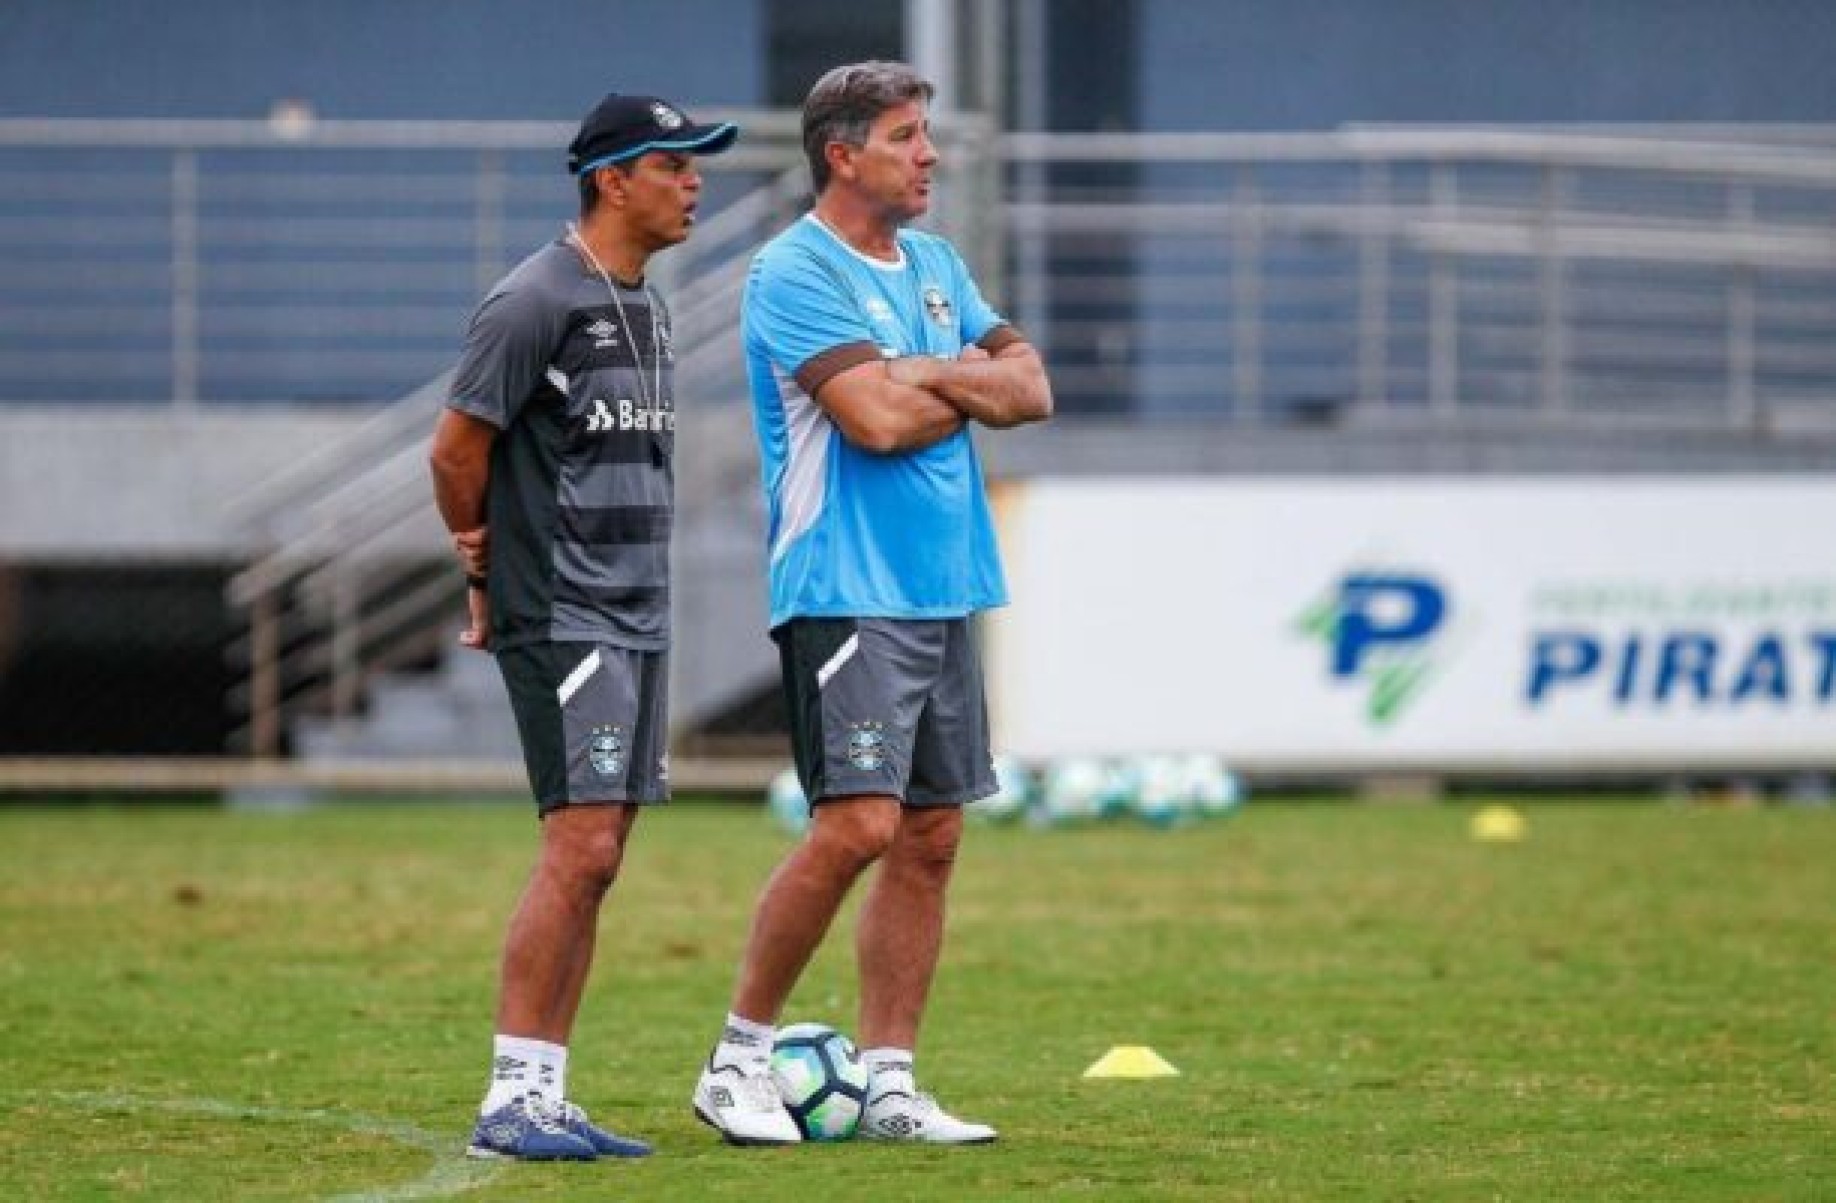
pixel 845 103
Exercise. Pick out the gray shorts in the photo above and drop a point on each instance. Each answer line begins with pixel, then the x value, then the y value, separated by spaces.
pixel 594 721
pixel 887 706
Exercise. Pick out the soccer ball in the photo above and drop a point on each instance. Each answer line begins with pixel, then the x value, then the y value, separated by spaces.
pixel 784 799
pixel 1082 789
pixel 1213 790
pixel 821 1079
pixel 1013 792
pixel 1162 796
pixel 1075 791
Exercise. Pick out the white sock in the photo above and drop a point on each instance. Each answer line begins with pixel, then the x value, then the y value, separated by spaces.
pixel 888 1069
pixel 553 1081
pixel 522 1066
pixel 744 1040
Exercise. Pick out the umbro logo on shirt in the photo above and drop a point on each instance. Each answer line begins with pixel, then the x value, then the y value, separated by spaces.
pixel 604 334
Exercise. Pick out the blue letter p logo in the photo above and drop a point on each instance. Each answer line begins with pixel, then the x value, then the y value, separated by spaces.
pixel 1378 612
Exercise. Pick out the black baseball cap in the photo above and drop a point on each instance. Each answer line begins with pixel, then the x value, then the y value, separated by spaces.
pixel 623 127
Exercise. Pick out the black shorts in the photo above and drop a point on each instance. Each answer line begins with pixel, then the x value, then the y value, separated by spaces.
pixel 887 706
pixel 593 719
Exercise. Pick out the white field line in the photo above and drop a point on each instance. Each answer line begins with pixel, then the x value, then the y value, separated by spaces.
pixel 452 1172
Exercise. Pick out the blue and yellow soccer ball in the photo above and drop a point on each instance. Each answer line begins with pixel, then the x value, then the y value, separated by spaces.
pixel 821 1079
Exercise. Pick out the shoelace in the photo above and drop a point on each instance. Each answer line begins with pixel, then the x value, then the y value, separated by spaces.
pixel 922 1100
pixel 757 1089
pixel 926 1108
pixel 544 1115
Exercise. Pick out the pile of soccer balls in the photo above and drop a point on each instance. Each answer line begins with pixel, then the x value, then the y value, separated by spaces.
pixel 1161 791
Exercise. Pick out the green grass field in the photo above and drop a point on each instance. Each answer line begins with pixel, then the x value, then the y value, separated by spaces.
pixel 1635 1003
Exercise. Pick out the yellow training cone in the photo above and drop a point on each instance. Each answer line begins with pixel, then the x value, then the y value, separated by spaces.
pixel 1131 1061
pixel 1498 825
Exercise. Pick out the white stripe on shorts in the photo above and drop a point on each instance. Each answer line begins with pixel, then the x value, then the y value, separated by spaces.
pixel 578 677
pixel 842 655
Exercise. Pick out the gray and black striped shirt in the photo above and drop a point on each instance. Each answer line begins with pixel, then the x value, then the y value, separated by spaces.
pixel 582 482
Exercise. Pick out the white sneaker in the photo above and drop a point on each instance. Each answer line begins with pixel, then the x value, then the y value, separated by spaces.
pixel 893 1114
pixel 740 1101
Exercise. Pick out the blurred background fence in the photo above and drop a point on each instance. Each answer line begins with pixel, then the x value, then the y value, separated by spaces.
pixel 1675 275
pixel 287 260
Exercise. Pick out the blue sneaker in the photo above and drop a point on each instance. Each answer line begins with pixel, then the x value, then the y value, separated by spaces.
pixel 606 1144
pixel 527 1129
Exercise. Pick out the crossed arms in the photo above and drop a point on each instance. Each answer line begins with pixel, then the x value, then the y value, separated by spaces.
pixel 890 406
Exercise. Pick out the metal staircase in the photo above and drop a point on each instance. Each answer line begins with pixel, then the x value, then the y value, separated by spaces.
pixel 357 584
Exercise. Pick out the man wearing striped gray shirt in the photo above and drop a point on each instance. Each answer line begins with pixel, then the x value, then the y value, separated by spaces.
pixel 552 467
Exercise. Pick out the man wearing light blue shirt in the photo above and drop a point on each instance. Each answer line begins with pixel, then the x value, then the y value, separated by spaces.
pixel 870 351
pixel 859 528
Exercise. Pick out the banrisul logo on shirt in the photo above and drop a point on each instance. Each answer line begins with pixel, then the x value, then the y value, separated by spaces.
pixel 622 413
pixel 1379 630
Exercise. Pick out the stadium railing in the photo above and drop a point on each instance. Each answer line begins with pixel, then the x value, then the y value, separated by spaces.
pixel 285 261
pixel 1623 275
pixel 1464 276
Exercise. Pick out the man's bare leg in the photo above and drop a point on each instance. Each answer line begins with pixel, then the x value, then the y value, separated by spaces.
pixel 900 937
pixel 902 923
pixel 548 951
pixel 735 1094
pixel 548 954
pixel 803 895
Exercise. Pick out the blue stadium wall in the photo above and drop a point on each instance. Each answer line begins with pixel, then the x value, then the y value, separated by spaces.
pixel 1315 64
pixel 1248 64
pixel 403 59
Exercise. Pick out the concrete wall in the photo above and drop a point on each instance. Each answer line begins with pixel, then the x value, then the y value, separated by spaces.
pixel 143 483
pixel 153 484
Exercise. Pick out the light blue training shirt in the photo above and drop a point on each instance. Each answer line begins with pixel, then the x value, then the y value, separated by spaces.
pixel 851 533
